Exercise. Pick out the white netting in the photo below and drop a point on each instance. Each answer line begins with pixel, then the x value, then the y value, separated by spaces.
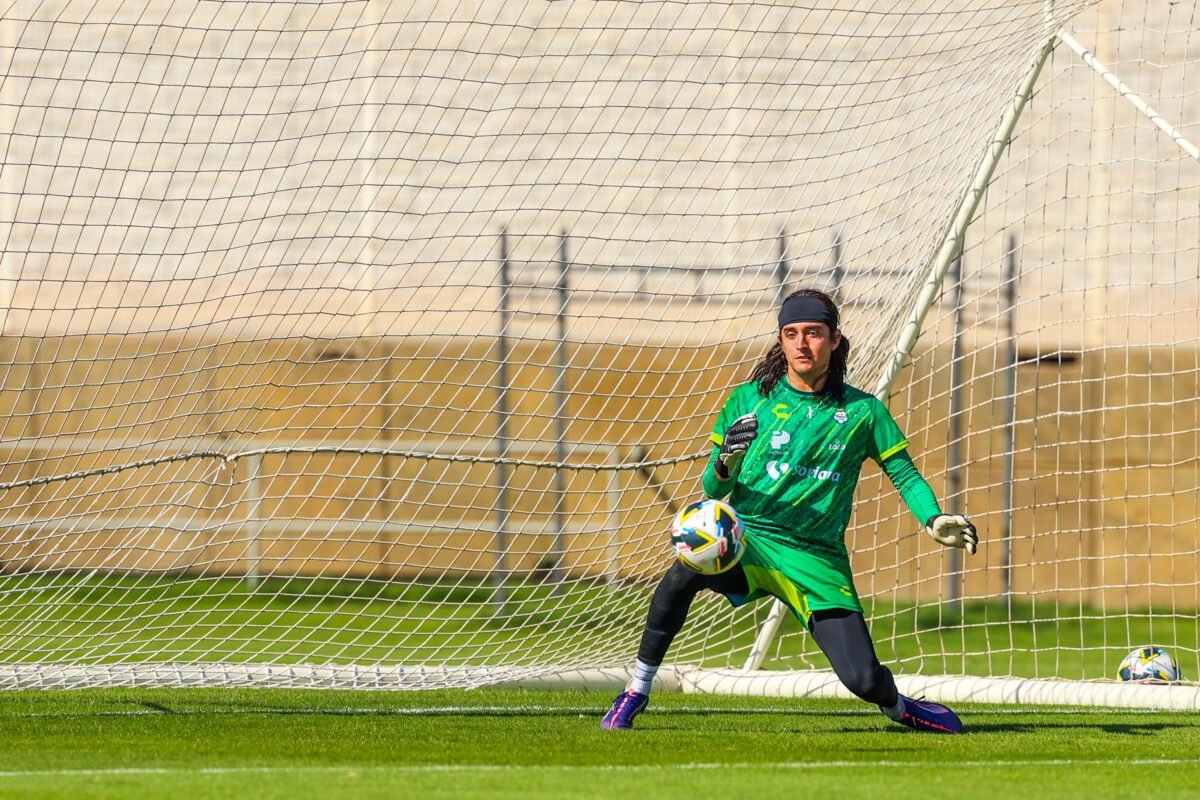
pixel 417 315
pixel 1072 339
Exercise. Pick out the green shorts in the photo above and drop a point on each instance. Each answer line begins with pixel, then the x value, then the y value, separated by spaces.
pixel 804 581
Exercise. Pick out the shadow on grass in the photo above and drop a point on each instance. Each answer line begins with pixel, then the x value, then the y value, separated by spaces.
pixel 662 718
pixel 1122 729
pixel 159 707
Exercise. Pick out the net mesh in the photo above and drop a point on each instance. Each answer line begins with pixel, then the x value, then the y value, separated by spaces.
pixel 376 335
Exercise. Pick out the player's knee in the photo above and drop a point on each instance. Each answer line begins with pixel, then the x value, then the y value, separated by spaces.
pixel 681 581
pixel 671 601
pixel 864 680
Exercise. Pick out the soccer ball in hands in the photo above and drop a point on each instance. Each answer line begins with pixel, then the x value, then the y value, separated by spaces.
pixel 1149 663
pixel 707 537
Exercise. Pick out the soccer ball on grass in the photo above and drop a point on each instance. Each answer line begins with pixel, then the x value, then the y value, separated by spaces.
pixel 1149 663
pixel 708 537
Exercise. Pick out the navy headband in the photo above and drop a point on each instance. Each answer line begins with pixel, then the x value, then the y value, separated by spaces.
pixel 805 308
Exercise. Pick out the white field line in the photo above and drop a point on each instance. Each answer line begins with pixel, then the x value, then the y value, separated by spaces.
pixel 585 710
pixel 451 768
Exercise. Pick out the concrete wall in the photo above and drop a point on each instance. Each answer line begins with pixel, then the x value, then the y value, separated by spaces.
pixel 1112 520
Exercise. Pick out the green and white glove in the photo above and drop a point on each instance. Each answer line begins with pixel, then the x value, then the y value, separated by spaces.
pixel 735 444
pixel 953 530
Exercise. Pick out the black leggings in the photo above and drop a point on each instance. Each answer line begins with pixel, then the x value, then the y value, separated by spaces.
pixel 841 634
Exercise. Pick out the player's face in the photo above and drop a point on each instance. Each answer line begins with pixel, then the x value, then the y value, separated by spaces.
pixel 808 348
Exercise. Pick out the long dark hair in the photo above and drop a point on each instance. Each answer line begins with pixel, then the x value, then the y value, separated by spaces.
pixel 774 365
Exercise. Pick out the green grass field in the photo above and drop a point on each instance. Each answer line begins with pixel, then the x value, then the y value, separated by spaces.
pixel 104 619
pixel 225 743
pixel 194 743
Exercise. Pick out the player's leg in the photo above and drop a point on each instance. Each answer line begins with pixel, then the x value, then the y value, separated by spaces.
pixel 843 636
pixel 670 605
pixel 668 611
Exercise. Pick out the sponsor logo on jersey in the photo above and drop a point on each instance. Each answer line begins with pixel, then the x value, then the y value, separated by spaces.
pixel 781 411
pixel 777 469
pixel 818 474
pixel 779 439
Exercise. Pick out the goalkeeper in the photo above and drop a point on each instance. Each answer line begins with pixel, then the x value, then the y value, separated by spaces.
pixel 788 447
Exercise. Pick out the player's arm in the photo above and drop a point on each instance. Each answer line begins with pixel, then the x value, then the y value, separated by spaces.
pixel 891 452
pixel 728 450
pixel 951 530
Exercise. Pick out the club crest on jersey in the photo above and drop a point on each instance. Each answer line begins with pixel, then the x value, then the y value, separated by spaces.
pixel 779 439
pixel 841 416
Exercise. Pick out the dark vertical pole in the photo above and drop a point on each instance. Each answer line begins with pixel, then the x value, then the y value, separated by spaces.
pixel 1010 416
pixel 385 471
pixel 500 577
pixel 782 270
pixel 839 269
pixel 954 478
pixel 560 416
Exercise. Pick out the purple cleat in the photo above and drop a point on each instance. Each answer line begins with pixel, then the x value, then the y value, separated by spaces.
pixel 921 715
pixel 627 706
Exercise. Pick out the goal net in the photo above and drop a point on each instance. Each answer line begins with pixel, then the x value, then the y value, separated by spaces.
pixel 376 344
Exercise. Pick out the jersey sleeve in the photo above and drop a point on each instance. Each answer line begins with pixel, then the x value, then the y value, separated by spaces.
pixel 914 490
pixel 887 439
pixel 891 452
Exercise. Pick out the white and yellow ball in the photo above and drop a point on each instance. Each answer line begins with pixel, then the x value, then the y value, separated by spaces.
pixel 708 537
pixel 1151 664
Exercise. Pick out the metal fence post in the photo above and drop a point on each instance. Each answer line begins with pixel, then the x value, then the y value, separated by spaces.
pixel 500 576
pixel 254 491
pixel 1009 294
pixel 560 417
pixel 954 478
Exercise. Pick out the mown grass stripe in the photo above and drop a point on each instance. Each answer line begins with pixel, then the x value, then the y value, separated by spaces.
pixel 598 710
pixel 434 768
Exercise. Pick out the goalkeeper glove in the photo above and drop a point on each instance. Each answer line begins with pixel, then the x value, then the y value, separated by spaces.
pixel 735 444
pixel 953 530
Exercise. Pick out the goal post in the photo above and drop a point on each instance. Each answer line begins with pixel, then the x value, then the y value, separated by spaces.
pixel 365 345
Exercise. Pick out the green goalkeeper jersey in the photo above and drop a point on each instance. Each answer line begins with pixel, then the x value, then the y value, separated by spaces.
pixel 796 482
